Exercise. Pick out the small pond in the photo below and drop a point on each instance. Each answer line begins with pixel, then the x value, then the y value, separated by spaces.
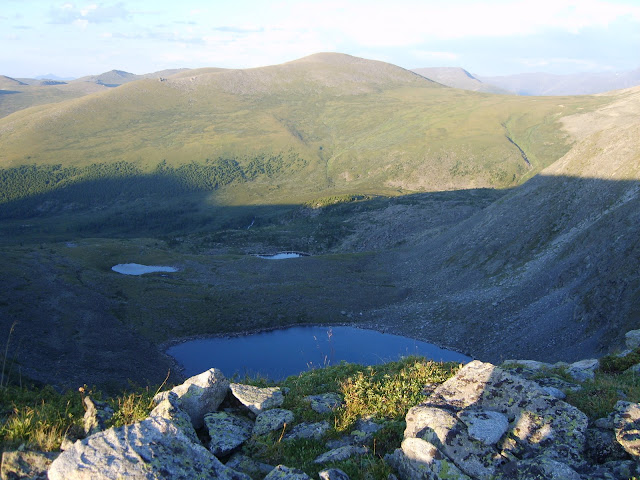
pixel 280 256
pixel 280 353
pixel 137 269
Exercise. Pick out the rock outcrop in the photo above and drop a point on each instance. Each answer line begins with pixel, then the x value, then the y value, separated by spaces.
pixel 487 423
pixel 484 423
pixel 152 449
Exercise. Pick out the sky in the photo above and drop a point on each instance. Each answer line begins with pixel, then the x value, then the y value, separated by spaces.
pixel 492 37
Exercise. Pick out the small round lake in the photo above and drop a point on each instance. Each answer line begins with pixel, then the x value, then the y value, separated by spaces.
pixel 137 269
pixel 278 354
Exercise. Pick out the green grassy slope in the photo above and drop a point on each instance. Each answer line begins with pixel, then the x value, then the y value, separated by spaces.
pixel 15 96
pixel 355 125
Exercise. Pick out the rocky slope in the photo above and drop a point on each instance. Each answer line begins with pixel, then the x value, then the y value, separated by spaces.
pixel 550 270
pixel 486 422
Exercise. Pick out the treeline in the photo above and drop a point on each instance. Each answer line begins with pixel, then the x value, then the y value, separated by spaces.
pixel 99 182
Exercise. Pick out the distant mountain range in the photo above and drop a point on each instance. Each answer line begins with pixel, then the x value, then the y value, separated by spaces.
pixel 537 84
pixel 458 78
pixel 527 84
pixel 575 84
pixel 51 76
pixel 115 78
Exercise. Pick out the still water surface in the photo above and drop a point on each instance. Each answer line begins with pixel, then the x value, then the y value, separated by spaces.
pixel 280 353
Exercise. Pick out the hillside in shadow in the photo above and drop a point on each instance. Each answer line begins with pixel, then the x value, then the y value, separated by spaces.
pixel 548 270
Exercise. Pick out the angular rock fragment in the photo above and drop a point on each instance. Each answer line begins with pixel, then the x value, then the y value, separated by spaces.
pixel 632 339
pixel 152 449
pixel 419 459
pixel 273 419
pixel 333 474
pixel 308 430
pixel 227 432
pixel 169 408
pixel 26 465
pixel 583 370
pixel 257 399
pixel 542 468
pixel 626 425
pixel 341 453
pixel 325 402
pixel 200 394
pixel 244 464
pixel 96 415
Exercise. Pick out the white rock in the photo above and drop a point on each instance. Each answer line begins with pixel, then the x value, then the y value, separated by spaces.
pixel 152 449
pixel 257 399
pixel 201 394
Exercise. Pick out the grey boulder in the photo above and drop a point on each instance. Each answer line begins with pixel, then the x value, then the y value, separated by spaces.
pixel 152 449
pixel 200 394
pixel 257 399
pixel 227 432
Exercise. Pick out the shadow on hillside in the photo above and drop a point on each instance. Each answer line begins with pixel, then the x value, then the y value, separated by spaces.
pixel 548 270
pixel 162 205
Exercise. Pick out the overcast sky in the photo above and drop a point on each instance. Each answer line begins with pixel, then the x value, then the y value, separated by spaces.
pixel 72 39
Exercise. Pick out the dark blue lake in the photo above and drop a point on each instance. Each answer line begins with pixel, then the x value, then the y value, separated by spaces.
pixel 278 354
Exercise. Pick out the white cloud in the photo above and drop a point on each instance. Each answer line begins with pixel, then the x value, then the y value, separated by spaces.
pixel 81 23
pixel 428 55
pixel 383 23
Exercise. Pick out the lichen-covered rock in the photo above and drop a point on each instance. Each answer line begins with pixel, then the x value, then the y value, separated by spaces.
pixel 96 415
pixel 419 459
pixel 614 470
pixel 341 453
pixel 542 374
pixel 26 465
pixel 583 370
pixel 257 399
pixel 539 468
pixel 333 474
pixel 486 426
pixel 308 430
pixel 450 435
pixel 626 424
pixel 632 339
pixel 325 402
pixel 244 464
pixel 602 446
pixel 537 422
pixel 169 408
pixel 200 394
pixel 273 419
pixel 227 432
pixel 152 449
pixel 285 473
